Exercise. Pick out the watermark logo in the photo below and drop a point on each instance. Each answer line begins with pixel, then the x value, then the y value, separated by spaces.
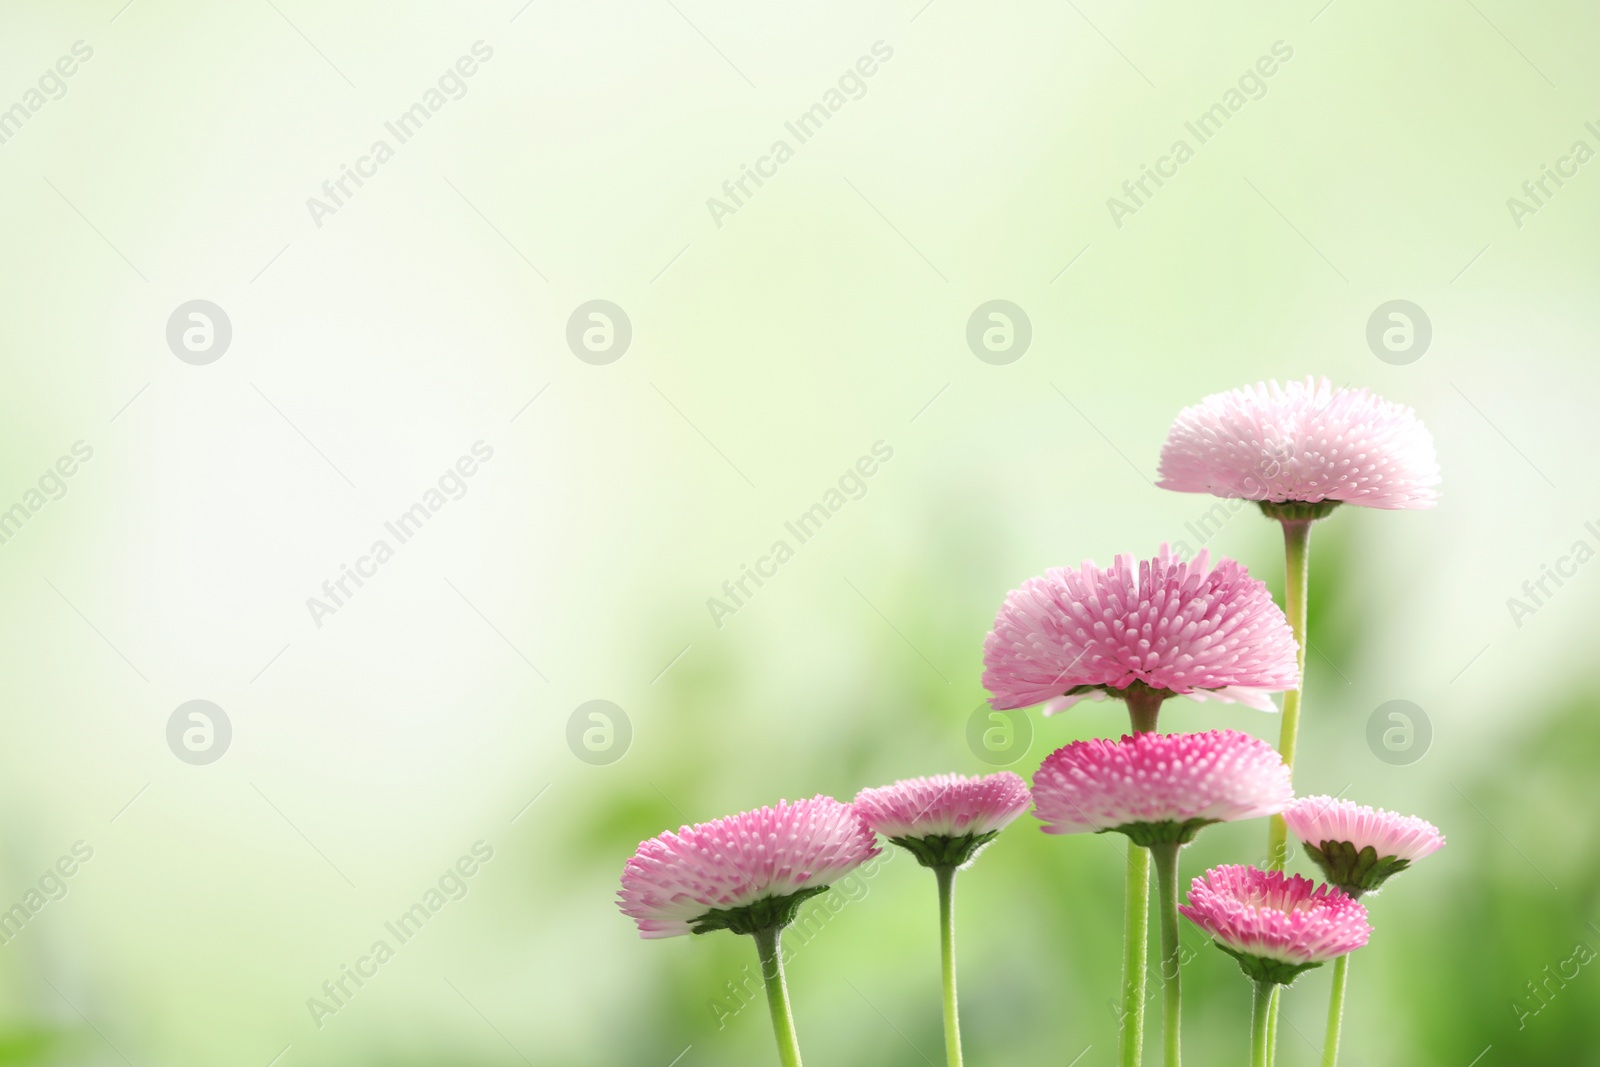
pixel 1399 733
pixel 999 332
pixel 599 332
pixel 737 592
pixel 1399 332
pixel 599 732
pixel 199 332
pixel 999 738
pixel 50 887
pixel 1539 590
pixel 199 732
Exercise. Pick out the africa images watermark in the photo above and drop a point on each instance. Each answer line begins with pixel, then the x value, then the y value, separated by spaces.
pixel 1537 192
pixel 451 85
pixel 1209 523
pixel 852 485
pixel 1543 992
pixel 1252 85
pixel 452 885
pixel 852 85
pixel 52 485
pixel 51 887
pixel 1540 590
pixel 51 85
pixel 451 485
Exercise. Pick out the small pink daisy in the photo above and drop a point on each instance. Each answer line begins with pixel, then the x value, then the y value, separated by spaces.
pixel 1303 442
pixel 1357 847
pixel 1275 924
pixel 744 872
pixel 1159 787
pixel 946 819
pixel 1162 626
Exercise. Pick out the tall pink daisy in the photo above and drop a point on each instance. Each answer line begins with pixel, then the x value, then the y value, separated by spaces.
pixel 1359 848
pixel 945 821
pixel 1142 632
pixel 1160 790
pixel 748 873
pixel 1305 443
pixel 1300 449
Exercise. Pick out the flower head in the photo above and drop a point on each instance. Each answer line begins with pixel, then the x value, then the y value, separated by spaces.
pixel 744 871
pixel 1176 627
pixel 1302 441
pixel 1275 924
pixel 1159 787
pixel 1357 847
pixel 946 819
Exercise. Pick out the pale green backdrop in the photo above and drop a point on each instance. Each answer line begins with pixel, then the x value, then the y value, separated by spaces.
pixel 376 339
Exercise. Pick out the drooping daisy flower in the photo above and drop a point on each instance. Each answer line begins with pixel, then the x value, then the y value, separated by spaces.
pixel 946 819
pixel 1357 847
pixel 744 871
pixel 1305 443
pixel 1158 628
pixel 1275 924
pixel 1159 787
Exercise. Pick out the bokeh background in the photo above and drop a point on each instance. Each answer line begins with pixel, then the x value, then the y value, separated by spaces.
pixel 437 709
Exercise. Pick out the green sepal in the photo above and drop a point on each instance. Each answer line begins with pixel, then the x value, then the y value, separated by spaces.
pixel 939 850
pixel 1352 871
pixel 1165 832
pixel 1297 510
pixel 1261 969
pixel 765 914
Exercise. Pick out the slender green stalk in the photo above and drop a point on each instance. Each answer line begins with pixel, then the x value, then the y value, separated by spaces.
pixel 1165 856
pixel 1297 565
pixel 1144 706
pixel 1330 1044
pixel 1272 1025
pixel 777 994
pixel 1296 589
pixel 947 954
pixel 1135 949
pixel 1258 1023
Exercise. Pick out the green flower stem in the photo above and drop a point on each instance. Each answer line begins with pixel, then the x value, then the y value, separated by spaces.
pixel 777 994
pixel 1258 1023
pixel 1297 582
pixel 1135 948
pixel 1297 565
pixel 1165 855
pixel 947 954
pixel 1144 706
pixel 1330 1044
pixel 1272 1025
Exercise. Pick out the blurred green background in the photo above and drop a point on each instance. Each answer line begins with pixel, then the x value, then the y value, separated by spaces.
pixel 828 312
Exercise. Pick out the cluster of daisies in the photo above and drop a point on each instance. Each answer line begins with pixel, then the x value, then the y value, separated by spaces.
pixel 1142 632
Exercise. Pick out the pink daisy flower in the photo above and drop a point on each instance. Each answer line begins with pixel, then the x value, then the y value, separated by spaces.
pixel 1159 787
pixel 944 820
pixel 1275 924
pixel 1359 848
pixel 1305 442
pixel 1172 627
pixel 744 872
